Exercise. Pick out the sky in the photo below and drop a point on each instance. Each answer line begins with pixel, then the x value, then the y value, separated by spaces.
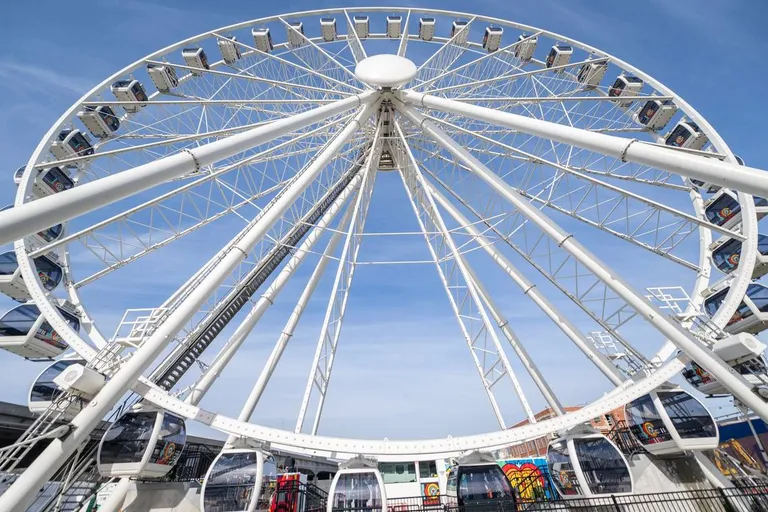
pixel 402 369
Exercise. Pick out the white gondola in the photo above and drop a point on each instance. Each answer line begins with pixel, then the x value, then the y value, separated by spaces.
pixel 584 463
pixel 723 209
pixel 726 253
pixel 230 50
pixel 559 55
pixel 163 76
pixel 130 90
pixel 655 114
pixel 752 314
pixel 240 479
pixel 686 134
pixel 262 38
pixel 100 120
pixel 48 181
pixel 671 421
pixel 25 332
pixel 478 483
pixel 492 38
pixel 195 58
pixel 143 443
pixel 591 73
pixel 44 391
pixel 394 26
pixel 71 143
pixel 357 485
pixel 426 28
pixel 12 283
pixel 43 237
pixel 362 26
pixel 525 47
pixel 743 352
pixel 328 29
pixel 460 28
pixel 625 85
pixel 295 31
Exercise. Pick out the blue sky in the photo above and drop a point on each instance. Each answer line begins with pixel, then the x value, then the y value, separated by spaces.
pixel 402 369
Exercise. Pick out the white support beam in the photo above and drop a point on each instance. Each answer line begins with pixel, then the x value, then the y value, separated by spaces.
pixel 667 326
pixel 49 211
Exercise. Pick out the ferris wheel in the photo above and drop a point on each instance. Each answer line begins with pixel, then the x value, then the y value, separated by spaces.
pixel 244 148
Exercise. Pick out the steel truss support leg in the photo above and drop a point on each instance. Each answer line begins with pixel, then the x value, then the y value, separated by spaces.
pixel 693 348
pixel 460 286
pixel 19 495
pixel 325 354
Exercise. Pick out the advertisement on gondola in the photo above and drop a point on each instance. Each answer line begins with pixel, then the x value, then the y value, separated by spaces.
pixel 529 476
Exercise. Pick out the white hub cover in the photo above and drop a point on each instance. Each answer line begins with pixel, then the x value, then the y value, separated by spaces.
pixel 385 70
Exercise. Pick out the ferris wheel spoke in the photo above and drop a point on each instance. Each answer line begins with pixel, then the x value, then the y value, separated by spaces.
pixel 462 290
pixel 448 53
pixel 402 48
pixel 353 41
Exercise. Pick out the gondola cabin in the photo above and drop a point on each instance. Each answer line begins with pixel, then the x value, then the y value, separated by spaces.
pixel 743 352
pixel 143 443
pixel 357 485
pixel 625 85
pixel 25 332
pixel 195 58
pixel 686 134
pixel 18 175
pixel 726 254
pixel 525 47
pixel 295 32
pixel 477 483
pixel 328 29
pixel 262 38
pixel 130 90
pixel 655 114
pixel 240 479
pixel 591 73
pixel 362 26
pixel 460 32
pixel 492 38
pixel 230 50
pixel 394 26
pixel 163 76
pixel 559 55
pixel 752 314
pixel 723 209
pixel 426 29
pixel 671 421
pixel 44 391
pixel 100 120
pixel 12 283
pixel 585 463
pixel 52 181
pixel 71 143
pixel 43 237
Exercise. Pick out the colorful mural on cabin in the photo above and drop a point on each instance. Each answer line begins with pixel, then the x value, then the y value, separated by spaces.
pixel 529 476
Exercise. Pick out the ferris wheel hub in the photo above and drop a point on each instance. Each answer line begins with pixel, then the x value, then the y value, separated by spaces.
pixel 386 70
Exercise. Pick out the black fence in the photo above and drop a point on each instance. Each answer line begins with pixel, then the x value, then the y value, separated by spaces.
pixel 192 465
pixel 626 441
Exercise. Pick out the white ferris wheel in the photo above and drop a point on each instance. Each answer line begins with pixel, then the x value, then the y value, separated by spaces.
pixel 260 143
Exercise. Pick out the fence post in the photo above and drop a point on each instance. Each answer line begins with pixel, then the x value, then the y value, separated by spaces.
pixel 616 503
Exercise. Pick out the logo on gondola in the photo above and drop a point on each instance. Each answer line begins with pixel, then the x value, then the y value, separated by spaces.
pixel 565 479
pixel 733 259
pixel 168 453
pixel 725 212
pixel 650 430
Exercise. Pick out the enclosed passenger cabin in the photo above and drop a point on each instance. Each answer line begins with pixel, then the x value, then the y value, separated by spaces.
pixel 195 58
pixel 686 134
pixel 394 26
pixel 357 485
pixel 752 314
pixel 625 85
pixel 163 76
pixel 230 50
pixel 328 29
pixel 460 32
pixel 12 282
pixel 671 421
pixel 655 114
pixel 44 391
pixel 426 29
pixel 492 38
pixel 362 26
pixel 591 73
pixel 723 209
pixel 100 120
pixel 71 143
pixel 559 55
pixel 130 90
pixel 262 38
pixel 142 443
pixel 727 253
pixel 525 47
pixel 43 237
pixel 48 181
pixel 25 332
pixel 478 483
pixel 743 352
pixel 295 32
pixel 240 479
pixel 585 463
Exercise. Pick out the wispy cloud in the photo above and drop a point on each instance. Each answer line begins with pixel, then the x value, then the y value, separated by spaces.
pixel 30 76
